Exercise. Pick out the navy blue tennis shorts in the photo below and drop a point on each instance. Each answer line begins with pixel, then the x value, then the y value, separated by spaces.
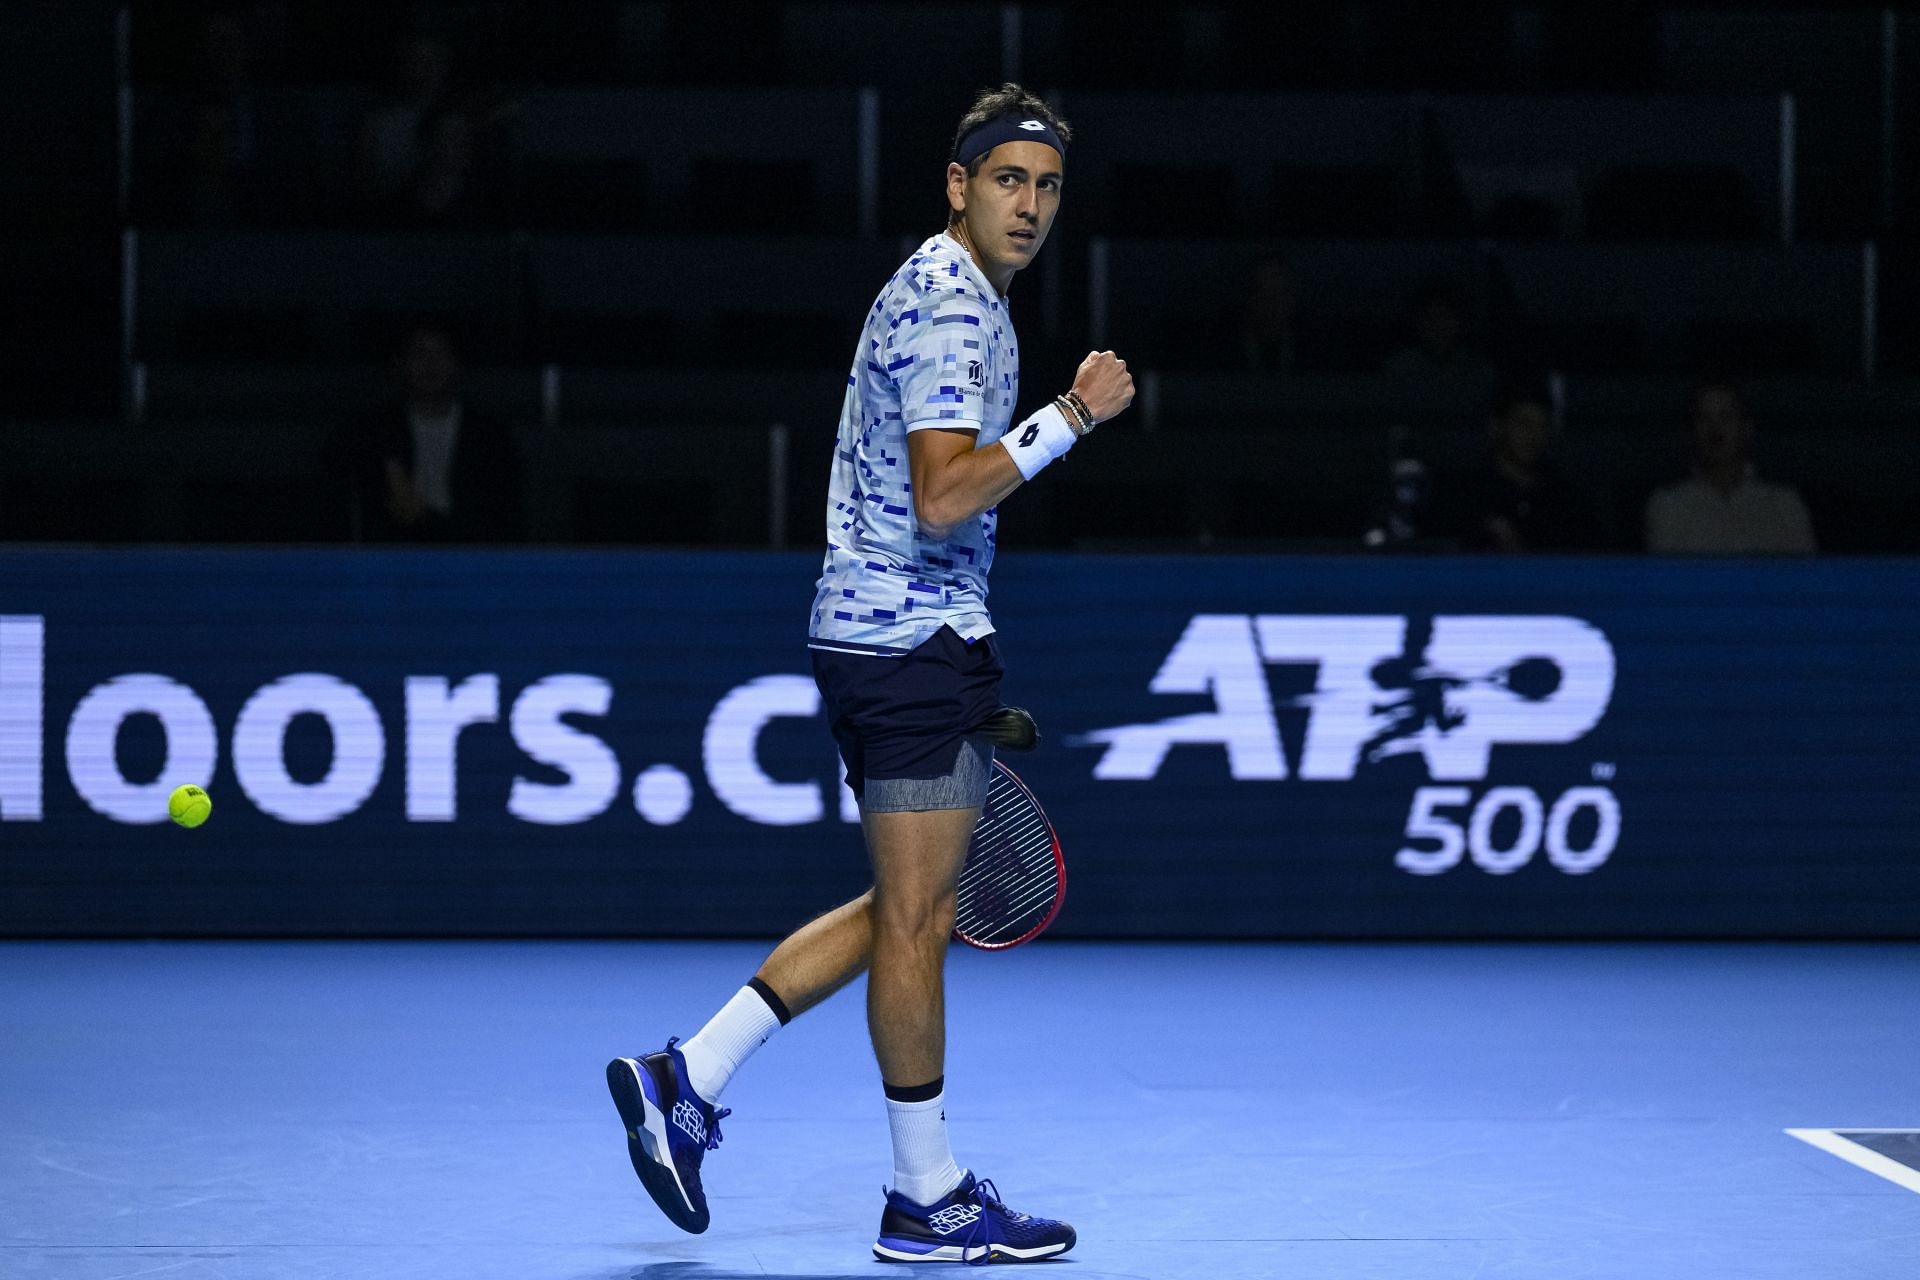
pixel 907 725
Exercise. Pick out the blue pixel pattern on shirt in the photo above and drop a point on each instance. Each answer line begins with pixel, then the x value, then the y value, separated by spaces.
pixel 937 352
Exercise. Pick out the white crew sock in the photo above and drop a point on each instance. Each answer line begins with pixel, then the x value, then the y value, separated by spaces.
pixel 743 1024
pixel 923 1167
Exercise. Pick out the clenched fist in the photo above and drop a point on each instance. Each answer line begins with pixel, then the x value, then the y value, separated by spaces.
pixel 1104 383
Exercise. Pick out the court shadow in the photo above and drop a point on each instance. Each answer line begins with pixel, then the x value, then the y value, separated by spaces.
pixel 685 1270
pixel 701 1271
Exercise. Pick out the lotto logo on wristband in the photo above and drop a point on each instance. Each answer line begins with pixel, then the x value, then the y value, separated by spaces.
pixel 1039 440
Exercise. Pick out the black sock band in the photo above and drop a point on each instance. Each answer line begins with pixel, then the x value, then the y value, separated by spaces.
pixel 774 1002
pixel 915 1092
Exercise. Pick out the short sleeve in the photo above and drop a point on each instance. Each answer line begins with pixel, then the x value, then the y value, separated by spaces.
pixel 937 359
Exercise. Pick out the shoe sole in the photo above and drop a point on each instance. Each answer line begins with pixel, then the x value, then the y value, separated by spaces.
pixel 901 1251
pixel 648 1148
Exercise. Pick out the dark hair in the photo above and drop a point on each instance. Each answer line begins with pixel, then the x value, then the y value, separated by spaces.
pixel 1009 99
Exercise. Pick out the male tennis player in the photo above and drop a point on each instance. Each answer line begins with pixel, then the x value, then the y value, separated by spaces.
pixel 904 657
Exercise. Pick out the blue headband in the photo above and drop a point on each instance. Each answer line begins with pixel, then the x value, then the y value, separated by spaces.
pixel 986 137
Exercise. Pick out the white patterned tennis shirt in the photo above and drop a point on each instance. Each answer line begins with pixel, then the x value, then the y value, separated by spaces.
pixel 937 352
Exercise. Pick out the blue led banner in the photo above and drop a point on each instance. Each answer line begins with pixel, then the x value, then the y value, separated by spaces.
pixel 629 743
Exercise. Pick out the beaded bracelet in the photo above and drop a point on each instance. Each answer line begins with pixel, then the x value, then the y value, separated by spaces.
pixel 1076 413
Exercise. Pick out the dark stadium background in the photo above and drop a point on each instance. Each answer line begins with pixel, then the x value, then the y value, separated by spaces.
pixel 1619 201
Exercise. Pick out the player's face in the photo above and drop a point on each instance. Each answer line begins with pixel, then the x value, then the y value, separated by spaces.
pixel 1009 205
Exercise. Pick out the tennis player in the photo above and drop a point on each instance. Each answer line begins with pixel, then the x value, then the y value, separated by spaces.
pixel 903 652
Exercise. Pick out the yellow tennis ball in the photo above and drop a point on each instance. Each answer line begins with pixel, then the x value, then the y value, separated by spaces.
pixel 188 806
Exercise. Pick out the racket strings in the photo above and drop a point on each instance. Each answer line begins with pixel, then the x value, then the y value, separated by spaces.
pixel 1010 884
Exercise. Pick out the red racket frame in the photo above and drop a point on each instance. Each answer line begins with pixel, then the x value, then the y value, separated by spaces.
pixel 1059 871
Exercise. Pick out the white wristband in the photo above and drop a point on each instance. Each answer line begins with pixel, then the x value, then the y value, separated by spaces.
pixel 1039 440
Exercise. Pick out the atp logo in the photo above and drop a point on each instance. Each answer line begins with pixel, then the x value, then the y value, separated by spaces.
pixel 1448 688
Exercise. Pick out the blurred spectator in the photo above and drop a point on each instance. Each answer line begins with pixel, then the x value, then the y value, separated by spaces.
pixel 428 468
pixel 1724 507
pixel 1439 351
pixel 1267 318
pixel 417 146
pixel 1518 500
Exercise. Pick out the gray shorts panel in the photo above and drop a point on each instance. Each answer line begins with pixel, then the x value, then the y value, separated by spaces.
pixel 965 787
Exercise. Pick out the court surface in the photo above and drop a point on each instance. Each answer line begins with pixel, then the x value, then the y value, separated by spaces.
pixel 1415 1112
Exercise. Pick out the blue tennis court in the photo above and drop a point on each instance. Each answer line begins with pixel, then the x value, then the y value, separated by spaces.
pixel 1438 1111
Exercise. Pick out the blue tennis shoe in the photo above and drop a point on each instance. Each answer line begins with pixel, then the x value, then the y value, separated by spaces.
pixel 968 1224
pixel 670 1129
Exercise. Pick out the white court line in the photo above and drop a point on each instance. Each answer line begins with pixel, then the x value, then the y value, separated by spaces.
pixel 1830 1141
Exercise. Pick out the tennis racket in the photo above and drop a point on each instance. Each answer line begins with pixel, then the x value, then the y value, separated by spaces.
pixel 1015 878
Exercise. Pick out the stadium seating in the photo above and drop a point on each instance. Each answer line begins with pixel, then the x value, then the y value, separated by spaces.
pixel 690 161
pixel 326 294
pixel 661 253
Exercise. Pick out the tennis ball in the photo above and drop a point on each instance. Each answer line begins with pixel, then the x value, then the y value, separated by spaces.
pixel 188 806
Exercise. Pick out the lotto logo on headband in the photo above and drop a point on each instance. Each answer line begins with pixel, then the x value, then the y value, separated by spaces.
pixel 1449 688
pixel 990 134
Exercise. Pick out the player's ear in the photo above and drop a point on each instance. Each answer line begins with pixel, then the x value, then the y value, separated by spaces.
pixel 956 188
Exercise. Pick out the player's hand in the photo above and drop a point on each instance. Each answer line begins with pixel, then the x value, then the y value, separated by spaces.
pixel 1104 383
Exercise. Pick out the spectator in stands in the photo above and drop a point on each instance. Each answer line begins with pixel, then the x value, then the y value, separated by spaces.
pixel 1518 500
pixel 1439 350
pixel 1267 318
pixel 417 148
pixel 434 471
pixel 1724 507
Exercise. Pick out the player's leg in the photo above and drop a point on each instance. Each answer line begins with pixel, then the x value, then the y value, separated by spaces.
pixel 901 927
pixel 935 1211
pixel 812 963
pixel 916 861
pixel 821 956
pixel 828 952
pixel 668 1101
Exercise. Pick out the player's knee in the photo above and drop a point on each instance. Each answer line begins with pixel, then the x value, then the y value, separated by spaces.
pixel 913 917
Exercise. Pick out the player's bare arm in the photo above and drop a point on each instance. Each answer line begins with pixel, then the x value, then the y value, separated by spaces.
pixel 953 481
